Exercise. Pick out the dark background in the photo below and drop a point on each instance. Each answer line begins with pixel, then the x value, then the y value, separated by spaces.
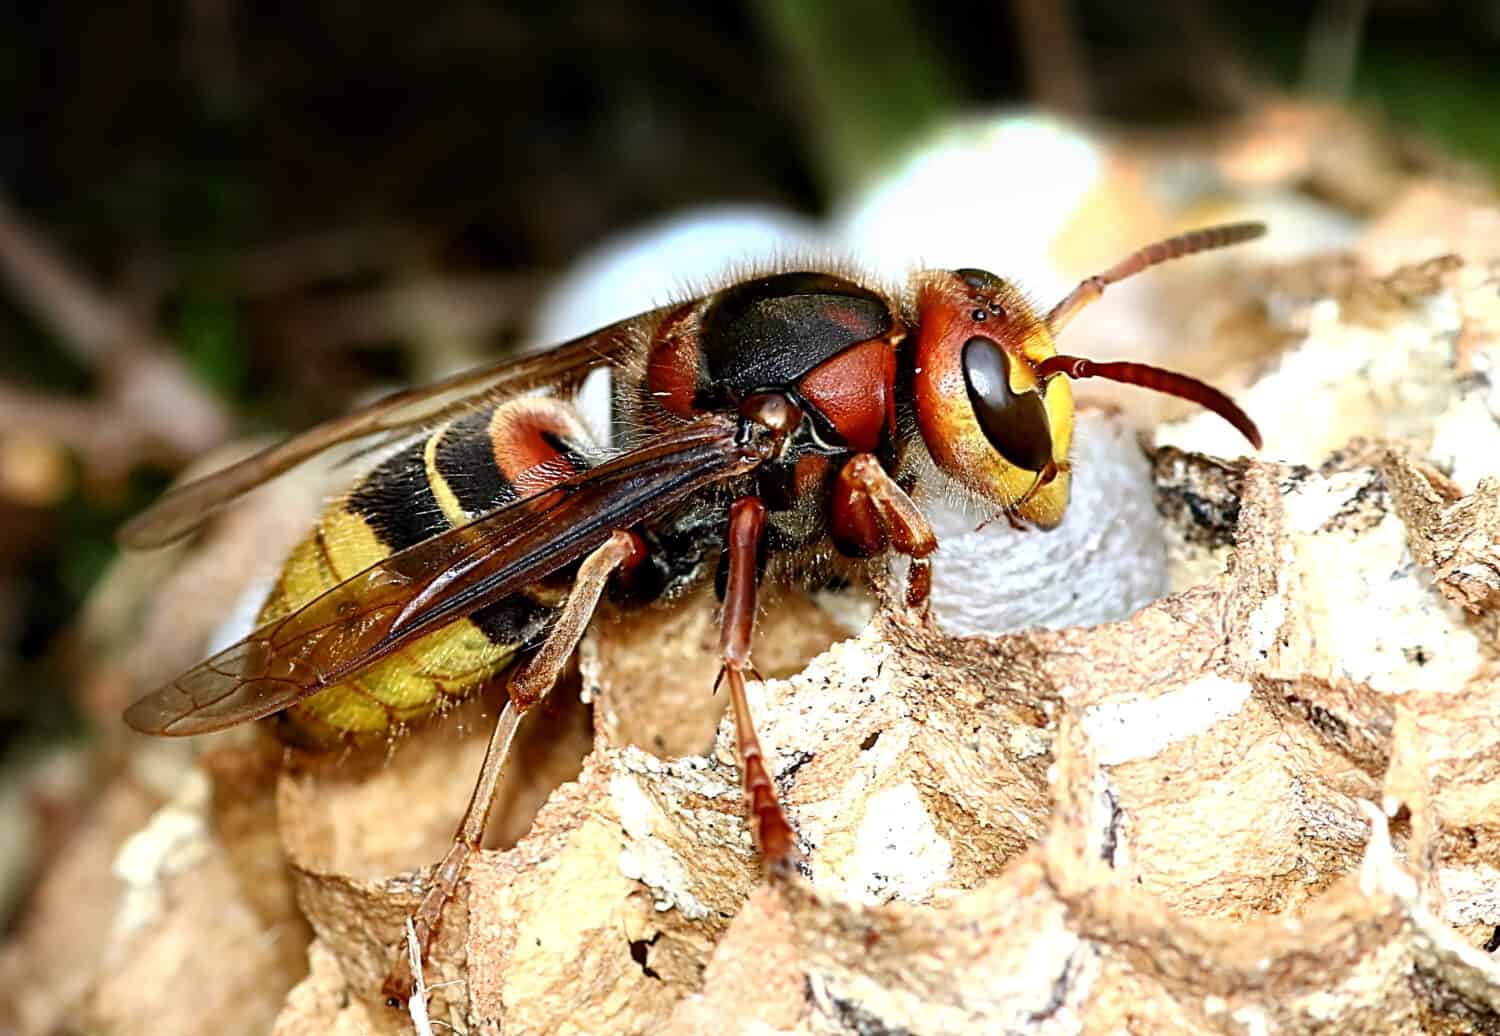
pixel 245 186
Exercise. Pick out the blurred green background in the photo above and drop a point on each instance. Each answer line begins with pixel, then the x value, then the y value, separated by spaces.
pixel 254 197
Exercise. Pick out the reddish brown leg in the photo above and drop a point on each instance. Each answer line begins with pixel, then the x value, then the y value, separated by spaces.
pixel 768 824
pixel 527 685
pixel 443 884
pixel 530 683
pixel 871 514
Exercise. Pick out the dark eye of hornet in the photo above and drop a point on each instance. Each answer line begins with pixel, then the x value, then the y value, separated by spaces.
pixel 1014 423
pixel 762 423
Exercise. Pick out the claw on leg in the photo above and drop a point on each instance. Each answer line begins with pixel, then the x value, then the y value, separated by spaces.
pixel 400 983
pixel 769 826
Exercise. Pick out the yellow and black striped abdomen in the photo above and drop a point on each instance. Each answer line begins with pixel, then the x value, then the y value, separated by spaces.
pixel 463 469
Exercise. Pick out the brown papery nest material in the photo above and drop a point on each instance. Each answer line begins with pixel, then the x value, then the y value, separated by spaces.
pixel 1268 802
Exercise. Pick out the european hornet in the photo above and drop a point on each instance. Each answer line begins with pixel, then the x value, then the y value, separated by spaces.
pixel 771 429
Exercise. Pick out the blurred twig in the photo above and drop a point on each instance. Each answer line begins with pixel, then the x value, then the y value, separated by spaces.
pixel 448 318
pixel 1219 65
pixel 1333 48
pixel 107 440
pixel 861 114
pixel 302 261
pixel 210 52
pixel 147 391
pixel 1055 71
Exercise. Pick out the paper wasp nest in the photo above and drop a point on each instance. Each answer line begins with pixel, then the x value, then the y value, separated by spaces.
pixel 1265 802
pixel 1268 801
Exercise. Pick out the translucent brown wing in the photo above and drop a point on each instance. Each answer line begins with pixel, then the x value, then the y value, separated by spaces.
pixel 441 579
pixel 185 508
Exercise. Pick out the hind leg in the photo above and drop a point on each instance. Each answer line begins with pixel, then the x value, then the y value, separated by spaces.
pixel 527 685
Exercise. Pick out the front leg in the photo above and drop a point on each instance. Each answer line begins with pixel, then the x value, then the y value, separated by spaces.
pixel 769 826
pixel 872 514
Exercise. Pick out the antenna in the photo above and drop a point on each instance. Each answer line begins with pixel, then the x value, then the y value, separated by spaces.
pixel 1169 382
pixel 1193 241
pixel 1154 378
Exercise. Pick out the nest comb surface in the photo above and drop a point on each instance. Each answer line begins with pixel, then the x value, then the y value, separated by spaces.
pixel 1264 803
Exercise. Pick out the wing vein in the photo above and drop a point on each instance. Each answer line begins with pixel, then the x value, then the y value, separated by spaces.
pixel 400 598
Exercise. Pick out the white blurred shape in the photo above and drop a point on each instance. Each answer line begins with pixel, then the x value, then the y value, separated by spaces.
pixel 988 192
pixel 1106 560
pixel 670 260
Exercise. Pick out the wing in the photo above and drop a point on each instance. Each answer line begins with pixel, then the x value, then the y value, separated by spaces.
pixel 417 590
pixel 185 508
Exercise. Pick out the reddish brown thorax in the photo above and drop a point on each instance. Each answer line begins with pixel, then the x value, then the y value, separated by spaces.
pixel 856 392
pixel 824 340
pixel 672 362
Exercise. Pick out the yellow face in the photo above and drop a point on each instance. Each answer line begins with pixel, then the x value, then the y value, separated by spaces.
pixel 984 414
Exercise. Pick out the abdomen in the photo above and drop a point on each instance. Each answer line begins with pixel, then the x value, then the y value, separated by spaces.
pixel 461 470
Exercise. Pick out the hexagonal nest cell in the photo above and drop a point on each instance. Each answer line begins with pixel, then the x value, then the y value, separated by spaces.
pixel 1266 801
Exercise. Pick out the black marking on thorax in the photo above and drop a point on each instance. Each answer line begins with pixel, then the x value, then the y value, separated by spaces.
pixel 767 333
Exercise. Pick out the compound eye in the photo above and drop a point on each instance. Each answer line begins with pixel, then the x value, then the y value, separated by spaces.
pixel 1015 423
pixel 980 280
